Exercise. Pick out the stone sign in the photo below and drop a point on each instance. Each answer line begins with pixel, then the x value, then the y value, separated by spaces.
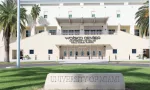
pixel 84 81
pixel 80 39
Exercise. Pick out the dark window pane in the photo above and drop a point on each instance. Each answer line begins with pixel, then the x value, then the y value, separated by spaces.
pixel 114 51
pixel 28 33
pixel 31 51
pixel 50 51
pixel 134 51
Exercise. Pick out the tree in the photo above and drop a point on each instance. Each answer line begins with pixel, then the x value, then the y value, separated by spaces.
pixel 35 12
pixel 142 16
pixel 8 24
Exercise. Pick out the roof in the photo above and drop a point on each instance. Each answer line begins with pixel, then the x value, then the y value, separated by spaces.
pixel 80 1
pixel 82 20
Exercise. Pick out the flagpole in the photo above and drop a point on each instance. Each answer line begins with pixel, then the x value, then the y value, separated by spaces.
pixel 149 27
pixel 18 33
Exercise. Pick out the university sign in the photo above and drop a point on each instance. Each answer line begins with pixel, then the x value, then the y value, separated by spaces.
pixel 85 39
pixel 84 81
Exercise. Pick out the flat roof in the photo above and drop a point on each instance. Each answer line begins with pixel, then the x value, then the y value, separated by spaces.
pixel 82 20
pixel 81 1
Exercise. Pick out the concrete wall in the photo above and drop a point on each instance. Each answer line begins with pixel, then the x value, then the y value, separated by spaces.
pixel 42 42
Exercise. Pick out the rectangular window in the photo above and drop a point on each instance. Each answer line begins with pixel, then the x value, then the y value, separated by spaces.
pixel 28 33
pixel 41 31
pixel 50 51
pixel 53 32
pixel 124 30
pixel 31 51
pixel 93 15
pixel 77 32
pixel 114 51
pixel 70 15
pixel 70 53
pixel 111 31
pixel 133 51
pixel 118 15
pixel 136 32
pixel 45 14
pixel 94 53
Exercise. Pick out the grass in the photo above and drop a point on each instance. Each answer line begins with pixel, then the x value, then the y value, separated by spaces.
pixel 136 78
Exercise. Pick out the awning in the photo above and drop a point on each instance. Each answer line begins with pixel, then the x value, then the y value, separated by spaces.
pixel 82 20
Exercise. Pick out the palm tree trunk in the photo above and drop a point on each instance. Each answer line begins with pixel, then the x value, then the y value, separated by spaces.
pixel 6 35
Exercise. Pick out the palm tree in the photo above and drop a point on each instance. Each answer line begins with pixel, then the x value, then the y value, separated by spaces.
pixel 8 24
pixel 142 17
pixel 35 12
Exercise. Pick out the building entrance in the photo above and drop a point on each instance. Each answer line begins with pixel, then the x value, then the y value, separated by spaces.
pixel 82 52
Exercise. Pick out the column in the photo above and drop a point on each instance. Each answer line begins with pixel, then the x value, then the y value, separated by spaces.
pixel 59 31
pixel 81 30
pixel 90 52
pixel 132 29
pixel 33 30
pixel 105 30
pixel 45 28
pixel 118 28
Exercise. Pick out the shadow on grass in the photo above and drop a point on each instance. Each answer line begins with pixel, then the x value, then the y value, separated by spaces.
pixel 36 76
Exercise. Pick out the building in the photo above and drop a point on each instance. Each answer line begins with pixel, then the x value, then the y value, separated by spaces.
pixel 81 29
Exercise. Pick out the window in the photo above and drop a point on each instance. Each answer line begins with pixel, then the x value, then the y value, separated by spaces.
pixel 133 51
pixel 136 32
pixel 93 15
pixel 50 51
pixel 94 53
pixel 71 32
pixel 82 53
pixel 28 33
pixel 41 31
pixel 111 31
pixel 45 14
pixel 124 30
pixel 114 51
pixel 70 15
pixel 70 53
pixel 53 32
pixel 86 32
pixel 88 53
pixel 65 53
pixel 76 53
pixel 100 53
pixel 31 51
pixel 77 32
pixel 99 32
pixel 65 32
pixel 118 15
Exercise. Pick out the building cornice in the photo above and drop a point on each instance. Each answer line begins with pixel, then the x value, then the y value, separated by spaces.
pixel 80 1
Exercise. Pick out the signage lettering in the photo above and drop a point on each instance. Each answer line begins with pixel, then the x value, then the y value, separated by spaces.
pixel 86 39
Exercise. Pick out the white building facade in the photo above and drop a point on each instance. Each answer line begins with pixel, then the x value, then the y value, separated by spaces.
pixel 81 29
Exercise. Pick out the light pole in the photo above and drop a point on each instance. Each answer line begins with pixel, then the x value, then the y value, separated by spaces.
pixel 18 33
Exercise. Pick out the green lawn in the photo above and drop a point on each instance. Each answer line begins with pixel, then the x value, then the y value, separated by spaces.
pixel 136 78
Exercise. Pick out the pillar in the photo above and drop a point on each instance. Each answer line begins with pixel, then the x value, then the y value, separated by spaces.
pixel 132 29
pixel 105 29
pixel 118 28
pixel 81 30
pixel 33 30
pixel 59 31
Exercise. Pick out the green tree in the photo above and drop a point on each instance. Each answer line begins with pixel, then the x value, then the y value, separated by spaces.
pixel 8 24
pixel 35 12
pixel 142 16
